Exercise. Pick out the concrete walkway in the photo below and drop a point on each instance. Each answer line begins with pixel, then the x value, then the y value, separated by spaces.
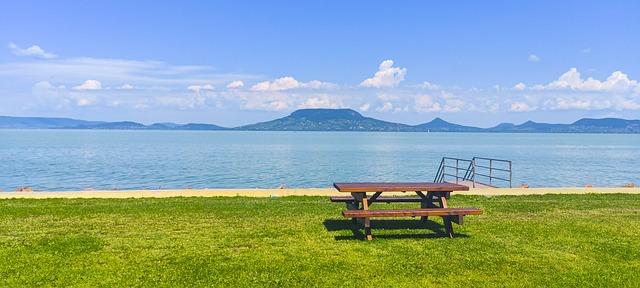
pixel 294 192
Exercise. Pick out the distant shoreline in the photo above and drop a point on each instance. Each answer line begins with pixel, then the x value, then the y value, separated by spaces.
pixel 333 120
pixel 328 131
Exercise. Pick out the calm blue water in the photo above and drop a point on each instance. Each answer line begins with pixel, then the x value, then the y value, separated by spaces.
pixel 98 159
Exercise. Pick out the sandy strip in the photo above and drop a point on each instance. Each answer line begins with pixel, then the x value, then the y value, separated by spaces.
pixel 294 192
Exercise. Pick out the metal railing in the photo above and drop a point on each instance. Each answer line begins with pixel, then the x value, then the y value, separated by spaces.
pixel 478 170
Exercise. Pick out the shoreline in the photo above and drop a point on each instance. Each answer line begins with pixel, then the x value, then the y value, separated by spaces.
pixel 297 192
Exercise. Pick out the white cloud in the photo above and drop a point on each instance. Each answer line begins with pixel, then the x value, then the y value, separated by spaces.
pixel 534 58
pixel 85 101
pixel 284 83
pixel 182 102
pixel 89 85
pixel 572 92
pixel 617 81
pixel 274 101
pixel 278 105
pixel 315 84
pixel 287 83
pixel 43 85
pixel 425 103
pixel 320 102
pixel 269 105
pixel 521 107
pixel 574 103
pixel 150 74
pixel 58 96
pixel 126 87
pixel 198 88
pixel 429 86
pixel 388 96
pixel 568 103
pixel 628 105
pixel 33 51
pixel 454 105
pixel 401 109
pixel 364 107
pixel 387 76
pixel 387 106
pixel 235 84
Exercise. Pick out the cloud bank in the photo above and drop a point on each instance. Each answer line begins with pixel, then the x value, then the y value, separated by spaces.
pixel 50 83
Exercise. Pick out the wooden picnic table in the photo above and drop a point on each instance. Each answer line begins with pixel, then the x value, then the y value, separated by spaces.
pixel 432 198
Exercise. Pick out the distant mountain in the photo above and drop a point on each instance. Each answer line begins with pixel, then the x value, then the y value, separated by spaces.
pixel 529 126
pixel 439 125
pixel 585 125
pixel 190 126
pixel 606 125
pixel 199 126
pixel 8 122
pixel 163 126
pixel 122 125
pixel 334 120
pixel 327 120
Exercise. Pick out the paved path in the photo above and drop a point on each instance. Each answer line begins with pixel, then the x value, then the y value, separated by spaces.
pixel 292 192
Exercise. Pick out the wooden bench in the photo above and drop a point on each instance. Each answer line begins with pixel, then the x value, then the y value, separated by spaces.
pixel 449 215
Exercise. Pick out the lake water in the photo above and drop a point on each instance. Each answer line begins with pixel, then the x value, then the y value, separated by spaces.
pixel 110 159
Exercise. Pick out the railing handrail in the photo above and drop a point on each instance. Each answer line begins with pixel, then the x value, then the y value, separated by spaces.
pixel 470 171
pixel 493 159
pixel 459 159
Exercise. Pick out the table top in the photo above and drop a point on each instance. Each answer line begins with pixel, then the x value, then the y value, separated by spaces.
pixel 399 187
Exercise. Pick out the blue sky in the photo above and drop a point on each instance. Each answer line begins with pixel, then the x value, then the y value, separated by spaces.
pixel 470 62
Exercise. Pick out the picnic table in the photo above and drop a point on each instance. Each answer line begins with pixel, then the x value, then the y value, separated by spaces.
pixel 431 196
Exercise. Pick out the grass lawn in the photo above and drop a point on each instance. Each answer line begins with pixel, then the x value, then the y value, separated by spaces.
pixel 551 240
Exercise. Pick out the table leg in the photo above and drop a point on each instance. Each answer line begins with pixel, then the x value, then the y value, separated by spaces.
pixel 374 197
pixel 442 199
pixel 427 202
pixel 353 205
pixel 362 198
pixel 448 228
pixel 367 220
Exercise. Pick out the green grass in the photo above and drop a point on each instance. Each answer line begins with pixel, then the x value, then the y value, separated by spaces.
pixel 552 240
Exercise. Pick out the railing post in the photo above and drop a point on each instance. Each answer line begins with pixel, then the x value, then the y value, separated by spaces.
pixel 490 170
pixel 457 161
pixel 473 165
pixel 442 169
pixel 510 174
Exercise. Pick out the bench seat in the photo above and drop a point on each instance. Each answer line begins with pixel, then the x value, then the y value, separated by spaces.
pixel 411 212
pixel 449 215
pixel 379 199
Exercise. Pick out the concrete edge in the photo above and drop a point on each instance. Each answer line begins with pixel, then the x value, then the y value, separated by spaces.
pixel 296 192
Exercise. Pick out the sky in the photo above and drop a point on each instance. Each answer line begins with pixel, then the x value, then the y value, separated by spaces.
pixel 238 62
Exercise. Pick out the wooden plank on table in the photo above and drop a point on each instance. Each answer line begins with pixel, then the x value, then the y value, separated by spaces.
pixel 398 187
pixel 443 201
pixel 389 199
pixel 412 212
